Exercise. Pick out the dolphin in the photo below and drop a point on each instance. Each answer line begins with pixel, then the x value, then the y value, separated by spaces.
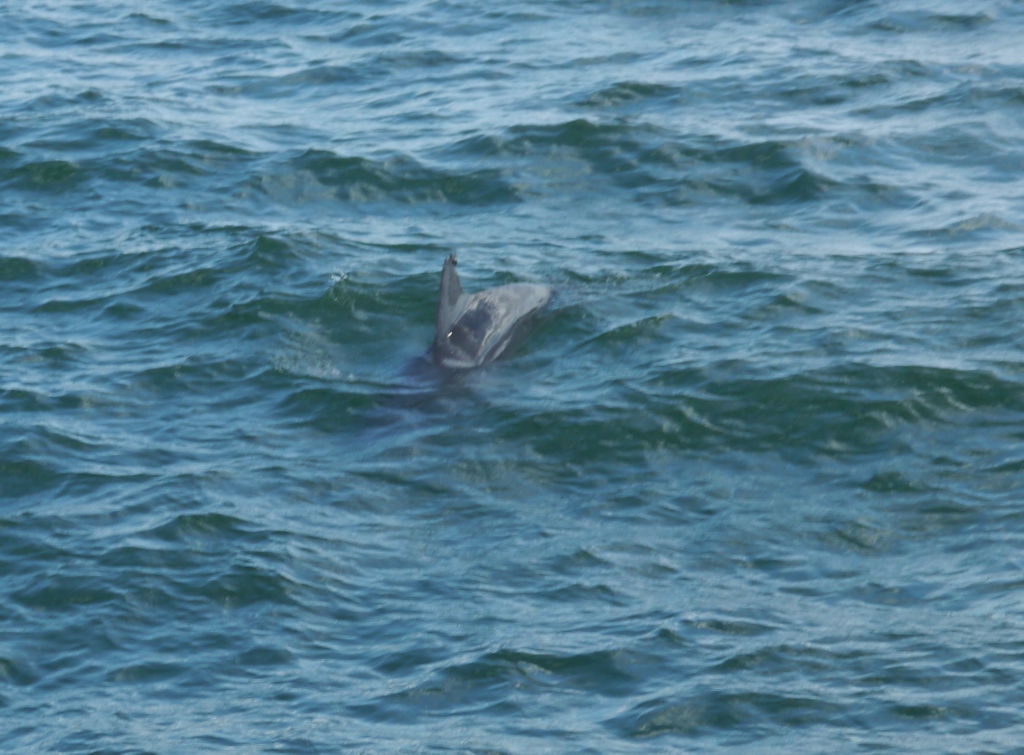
pixel 473 329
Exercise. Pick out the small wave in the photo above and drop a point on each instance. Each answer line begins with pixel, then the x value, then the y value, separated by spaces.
pixel 725 711
pixel 628 93
pixel 44 175
pixel 579 133
pixel 242 586
pixel 657 166
pixel 970 228
pixel 17 672
pixel 843 412
pixel 148 673
pixel 250 12
pixel 319 175
pixel 924 21
pixel 486 680
pixel 25 477
pixel 419 59
pixel 19 269
pixel 185 528
pixel 328 409
pixel 67 593
pixel 305 82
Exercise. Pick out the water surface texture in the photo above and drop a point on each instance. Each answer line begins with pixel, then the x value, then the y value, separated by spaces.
pixel 753 483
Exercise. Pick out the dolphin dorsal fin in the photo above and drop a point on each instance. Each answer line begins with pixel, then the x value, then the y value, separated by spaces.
pixel 448 308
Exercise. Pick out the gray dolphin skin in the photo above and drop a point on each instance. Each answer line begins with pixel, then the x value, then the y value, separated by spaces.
pixel 473 329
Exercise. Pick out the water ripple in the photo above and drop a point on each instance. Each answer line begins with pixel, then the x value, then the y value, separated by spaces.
pixel 751 481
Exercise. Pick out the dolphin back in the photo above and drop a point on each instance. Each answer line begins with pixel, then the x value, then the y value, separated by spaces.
pixel 473 329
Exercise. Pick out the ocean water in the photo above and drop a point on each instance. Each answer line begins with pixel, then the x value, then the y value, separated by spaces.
pixel 753 483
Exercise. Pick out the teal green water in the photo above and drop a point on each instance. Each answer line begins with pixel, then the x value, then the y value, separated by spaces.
pixel 753 483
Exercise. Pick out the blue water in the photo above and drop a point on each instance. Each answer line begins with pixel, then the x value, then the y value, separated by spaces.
pixel 754 481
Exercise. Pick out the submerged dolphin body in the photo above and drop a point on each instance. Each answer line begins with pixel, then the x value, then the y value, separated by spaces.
pixel 473 329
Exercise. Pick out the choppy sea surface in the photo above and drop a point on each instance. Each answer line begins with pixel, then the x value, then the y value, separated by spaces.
pixel 754 482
